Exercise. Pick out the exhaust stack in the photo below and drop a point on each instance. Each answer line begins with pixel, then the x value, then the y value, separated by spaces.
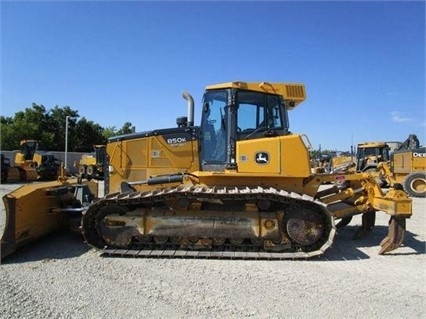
pixel 190 102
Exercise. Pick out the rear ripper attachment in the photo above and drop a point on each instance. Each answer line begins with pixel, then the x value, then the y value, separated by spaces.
pixel 362 195
pixel 210 222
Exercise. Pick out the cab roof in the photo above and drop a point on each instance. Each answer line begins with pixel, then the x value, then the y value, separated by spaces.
pixel 292 93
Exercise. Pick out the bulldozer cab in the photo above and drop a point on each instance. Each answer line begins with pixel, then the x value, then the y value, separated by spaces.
pixel 370 154
pixel 100 155
pixel 239 111
pixel 28 149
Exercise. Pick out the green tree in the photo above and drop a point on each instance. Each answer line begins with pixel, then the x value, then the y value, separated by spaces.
pixel 49 128
pixel 57 123
pixel 7 133
pixel 27 124
pixel 126 129
pixel 85 135
pixel 109 132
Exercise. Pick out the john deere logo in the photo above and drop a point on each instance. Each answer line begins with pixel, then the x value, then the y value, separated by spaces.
pixel 262 158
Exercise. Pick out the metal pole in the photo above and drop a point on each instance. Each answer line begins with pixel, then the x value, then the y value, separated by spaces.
pixel 66 141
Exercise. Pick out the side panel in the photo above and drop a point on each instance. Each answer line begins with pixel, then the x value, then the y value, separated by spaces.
pixel 137 159
pixel 19 158
pixel 410 161
pixel 295 159
pixel 88 159
pixel 402 163
pixel 419 159
pixel 284 155
pixel 259 155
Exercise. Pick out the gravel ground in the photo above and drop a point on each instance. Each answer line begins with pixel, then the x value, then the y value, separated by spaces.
pixel 60 277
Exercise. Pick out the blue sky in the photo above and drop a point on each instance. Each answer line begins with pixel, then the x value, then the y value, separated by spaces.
pixel 363 62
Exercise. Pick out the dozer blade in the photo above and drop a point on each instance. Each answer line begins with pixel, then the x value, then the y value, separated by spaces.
pixel 35 210
pixel 395 235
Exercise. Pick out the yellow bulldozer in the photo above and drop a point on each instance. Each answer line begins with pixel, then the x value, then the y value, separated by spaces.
pixel 239 185
pixel 32 163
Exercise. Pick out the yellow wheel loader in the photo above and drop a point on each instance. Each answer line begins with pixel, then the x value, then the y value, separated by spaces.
pixel 239 185
pixel 407 167
pixel 91 166
pixel 367 159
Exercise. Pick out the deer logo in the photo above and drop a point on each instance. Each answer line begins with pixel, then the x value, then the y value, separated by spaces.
pixel 262 158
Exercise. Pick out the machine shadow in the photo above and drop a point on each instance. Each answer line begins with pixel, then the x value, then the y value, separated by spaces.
pixel 346 248
pixel 62 244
